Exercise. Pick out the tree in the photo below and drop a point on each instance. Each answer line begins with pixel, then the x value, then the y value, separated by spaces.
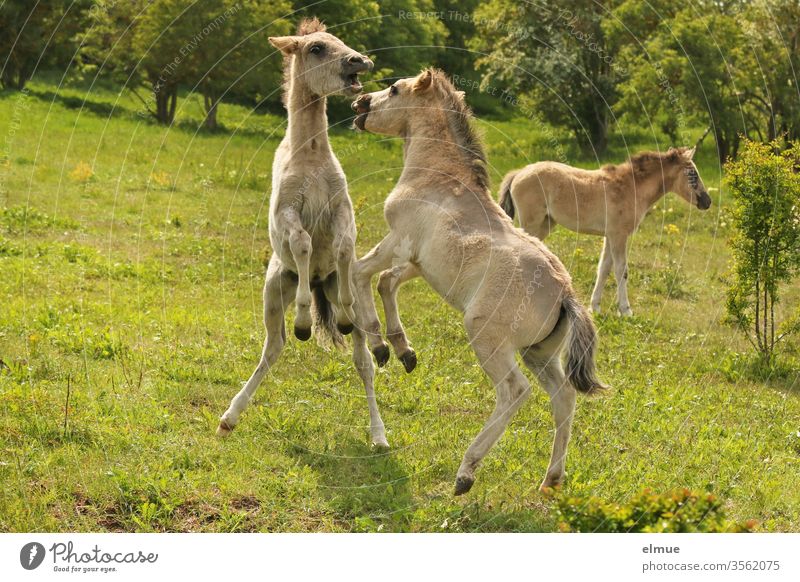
pixel 693 67
pixel 166 44
pixel 231 48
pixel 31 34
pixel 772 31
pixel 765 189
pixel 558 56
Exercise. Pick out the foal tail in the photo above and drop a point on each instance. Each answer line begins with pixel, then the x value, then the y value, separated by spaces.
pixel 581 348
pixel 324 318
pixel 506 202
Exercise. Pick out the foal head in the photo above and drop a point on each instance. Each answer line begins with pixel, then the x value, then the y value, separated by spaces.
pixel 321 62
pixel 390 111
pixel 687 183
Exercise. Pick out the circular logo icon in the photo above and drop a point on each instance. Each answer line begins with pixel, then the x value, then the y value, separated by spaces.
pixel 31 555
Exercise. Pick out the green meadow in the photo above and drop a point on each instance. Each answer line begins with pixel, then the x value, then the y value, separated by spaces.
pixel 132 259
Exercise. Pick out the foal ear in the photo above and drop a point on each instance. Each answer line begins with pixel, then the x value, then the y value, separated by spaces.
pixel 689 153
pixel 423 81
pixel 286 44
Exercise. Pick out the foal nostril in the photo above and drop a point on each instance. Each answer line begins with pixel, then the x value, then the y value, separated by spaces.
pixel 359 62
pixel 361 105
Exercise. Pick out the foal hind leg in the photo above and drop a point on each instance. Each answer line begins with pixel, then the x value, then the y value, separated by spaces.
pixel 511 387
pixel 548 369
pixel 388 284
pixel 619 250
pixel 279 288
pixel 366 370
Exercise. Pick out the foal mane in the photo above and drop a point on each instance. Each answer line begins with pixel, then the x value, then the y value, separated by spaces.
pixel 459 118
pixel 644 164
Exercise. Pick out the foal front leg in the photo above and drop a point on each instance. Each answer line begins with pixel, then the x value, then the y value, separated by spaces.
pixel 388 284
pixel 344 245
pixel 603 270
pixel 300 247
pixel 378 259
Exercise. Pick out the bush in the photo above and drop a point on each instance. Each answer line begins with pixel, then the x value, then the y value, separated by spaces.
pixel 677 512
pixel 765 189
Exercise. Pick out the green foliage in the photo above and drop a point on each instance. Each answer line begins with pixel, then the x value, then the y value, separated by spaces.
pixel 213 47
pixel 765 189
pixel 680 511
pixel 557 56
pixel 33 34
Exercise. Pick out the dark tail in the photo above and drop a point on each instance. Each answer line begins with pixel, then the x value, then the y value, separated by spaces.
pixel 324 318
pixel 506 202
pixel 581 348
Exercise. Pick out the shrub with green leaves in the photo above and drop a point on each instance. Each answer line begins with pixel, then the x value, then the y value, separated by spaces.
pixel 764 185
pixel 676 512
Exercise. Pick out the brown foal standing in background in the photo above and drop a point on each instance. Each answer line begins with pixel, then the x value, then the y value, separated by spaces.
pixel 609 202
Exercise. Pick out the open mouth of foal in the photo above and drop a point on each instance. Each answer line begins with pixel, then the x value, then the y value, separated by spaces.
pixel 352 83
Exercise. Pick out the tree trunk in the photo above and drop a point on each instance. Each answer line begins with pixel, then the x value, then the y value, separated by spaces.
pixel 166 99
pixel 211 102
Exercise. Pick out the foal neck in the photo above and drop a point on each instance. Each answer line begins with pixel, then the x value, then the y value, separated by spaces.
pixel 308 120
pixel 430 150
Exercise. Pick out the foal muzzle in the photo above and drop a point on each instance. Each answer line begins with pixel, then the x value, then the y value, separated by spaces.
pixel 361 107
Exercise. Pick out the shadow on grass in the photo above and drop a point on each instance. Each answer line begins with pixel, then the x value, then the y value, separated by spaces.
pixel 371 491
pixel 368 490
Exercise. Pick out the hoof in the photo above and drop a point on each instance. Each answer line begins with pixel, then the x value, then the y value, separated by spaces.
pixel 302 334
pixel 224 429
pixel 551 482
pixel 409 360
pixel 345 328
pixel 380 446
pixel 381 354
pixel 463 484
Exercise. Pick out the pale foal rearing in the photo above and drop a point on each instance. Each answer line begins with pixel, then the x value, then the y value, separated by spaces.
pixel 610 201
pixel 444 226
pixel 311 223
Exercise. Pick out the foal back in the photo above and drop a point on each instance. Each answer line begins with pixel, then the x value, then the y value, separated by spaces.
pixel 548 193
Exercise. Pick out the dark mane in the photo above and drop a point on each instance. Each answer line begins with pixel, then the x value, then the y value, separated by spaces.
pixel 459 117
pixel 645 164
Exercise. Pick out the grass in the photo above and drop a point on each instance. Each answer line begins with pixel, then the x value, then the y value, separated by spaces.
pixel 131 264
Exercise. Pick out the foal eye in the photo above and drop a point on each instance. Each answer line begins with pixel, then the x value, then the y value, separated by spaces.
pixel 393 90
pixel 316 49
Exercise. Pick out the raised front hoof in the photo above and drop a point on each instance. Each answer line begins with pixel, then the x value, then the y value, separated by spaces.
pixel 463 484
pixel 302 333
pixel 409 360
pixel 224 429
pixel 345 328
pixel 381 354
